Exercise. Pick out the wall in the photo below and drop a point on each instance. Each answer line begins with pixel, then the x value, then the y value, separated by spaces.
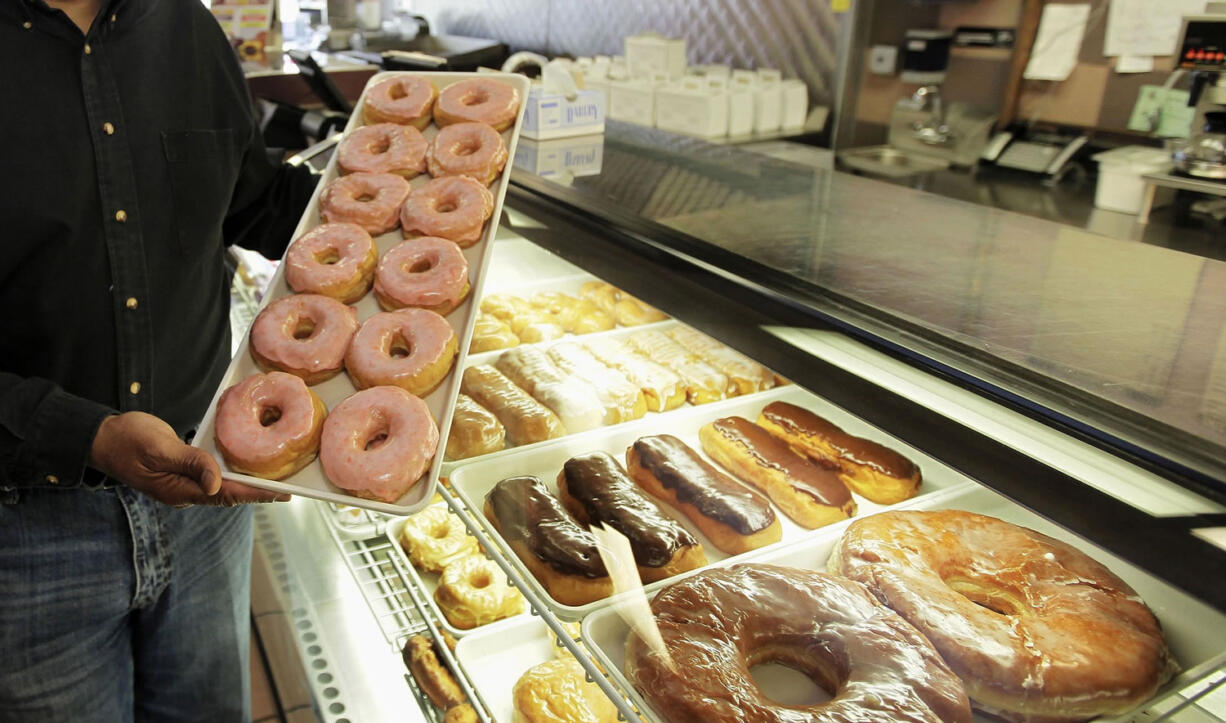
pixel 799 37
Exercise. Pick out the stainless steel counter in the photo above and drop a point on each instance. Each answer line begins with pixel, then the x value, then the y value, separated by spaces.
pixel 1115 335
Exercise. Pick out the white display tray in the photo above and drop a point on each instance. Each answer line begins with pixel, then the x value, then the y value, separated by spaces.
pixel 473 481
pixel 310 481
pixel 428 583
pixel 1195 632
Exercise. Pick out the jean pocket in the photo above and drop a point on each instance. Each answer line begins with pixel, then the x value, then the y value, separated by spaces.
pixel 203 166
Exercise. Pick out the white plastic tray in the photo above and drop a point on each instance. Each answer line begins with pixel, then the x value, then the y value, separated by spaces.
pixel 1195 632
pixel 473 481
pixel 428 582
pixel 310 481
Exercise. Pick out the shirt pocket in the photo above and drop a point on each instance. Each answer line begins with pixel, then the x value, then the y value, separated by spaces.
pixel 203 167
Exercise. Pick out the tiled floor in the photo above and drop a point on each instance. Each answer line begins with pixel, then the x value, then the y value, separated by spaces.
pixel 264 708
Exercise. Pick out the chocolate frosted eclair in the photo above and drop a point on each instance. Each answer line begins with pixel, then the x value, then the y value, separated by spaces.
pixel 870 469
pixel 811 495
pixel 735 518
pixel 560 553
pixel 595 489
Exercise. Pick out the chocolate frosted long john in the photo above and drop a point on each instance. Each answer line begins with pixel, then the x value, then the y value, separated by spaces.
pixel 525 511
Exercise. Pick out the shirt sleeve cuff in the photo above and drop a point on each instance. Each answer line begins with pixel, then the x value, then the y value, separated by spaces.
pixel 63 430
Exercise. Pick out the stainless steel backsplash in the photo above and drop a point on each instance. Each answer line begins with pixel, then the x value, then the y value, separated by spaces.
pixel 799 37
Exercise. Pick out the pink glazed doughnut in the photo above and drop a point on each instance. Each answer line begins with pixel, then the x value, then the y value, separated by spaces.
pixel 478 100
pixel 406 100
pixel 268 425
pixel 467 149
pixel 410 348
pixel 428 273
pixel 455 208
pixel 371 200
pixel 378 443
pixel 335 259
pixel 383 148
pixel 304 334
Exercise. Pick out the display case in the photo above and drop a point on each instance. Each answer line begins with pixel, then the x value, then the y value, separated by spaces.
pixel 1063 381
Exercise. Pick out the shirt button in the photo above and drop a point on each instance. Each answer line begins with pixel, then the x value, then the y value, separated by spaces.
pixel 131 302
pixel 27 25
pixel 108 129
pixel 112 18
pixel 121 215
pixel 52 479
pixel 88 50
pixel 134 387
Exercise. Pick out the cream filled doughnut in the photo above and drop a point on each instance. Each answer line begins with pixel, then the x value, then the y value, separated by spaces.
pixel 371 200
pixel 428 273
pixel 304 334
pixel 410 348
pixel 268 425
pixel 383 148
pixel 378 443
pixel 406 99
pixel 453 207
pixel 335 259
pixel 478 100
pixel 467 149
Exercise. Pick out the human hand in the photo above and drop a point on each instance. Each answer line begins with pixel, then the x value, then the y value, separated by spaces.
pixel 144 453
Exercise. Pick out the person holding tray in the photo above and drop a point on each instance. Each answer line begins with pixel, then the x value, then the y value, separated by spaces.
pixel 132 156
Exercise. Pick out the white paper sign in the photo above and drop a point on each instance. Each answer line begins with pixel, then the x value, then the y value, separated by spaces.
pixel 1134 64
pixel 1146 27
pixel 1058 42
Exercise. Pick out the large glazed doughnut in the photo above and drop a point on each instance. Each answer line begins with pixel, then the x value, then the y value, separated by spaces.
pixel 268 425
pixel 406 99
pixel 428 273
pixel 473 591
pixel 303 334
pixel 718 624
pixel 467 149
pixel 410 348
pixel 1036 629
pixel 335 259
pixel 378 443
pixel 371 200
pixel 383 148
pixel 454 208
pixel 479 100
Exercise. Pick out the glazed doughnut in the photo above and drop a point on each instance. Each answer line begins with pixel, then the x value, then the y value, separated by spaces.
pixel 630 311
pixel 868 468
pixel 734 518
pixel 268 425
pixel 622 400
pixel 490 334
pixel 601 294
pixel 413 349
pixel 461 714
pixel 434 538
pixel 404 99
pixel 811 495
pixel 703 383
pixel 303 334
pixel 1036 629
pixel 573 401
pixel 557 691
pixel 431 675
pixel 503 306
pixel 378 443
pixel 371 200
pixel 455 208
pixel 467 149
pixel 719 623
pixel 534 326
pixel 525 419
pixel 474 430
pixel 558 552
pixel 427 273
pixel 383 148
pixel 473 591
pixel 478 100
pixel 335 259
pixel 744 373
pixel 562 308
pixel 662 388
pixel 590 318
pixel 596 490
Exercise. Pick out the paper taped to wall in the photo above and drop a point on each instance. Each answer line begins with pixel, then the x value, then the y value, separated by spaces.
pixel 1134 64
pixel 1146 27
pixel 1058 42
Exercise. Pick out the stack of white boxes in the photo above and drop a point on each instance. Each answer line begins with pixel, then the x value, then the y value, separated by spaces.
pixel 651 85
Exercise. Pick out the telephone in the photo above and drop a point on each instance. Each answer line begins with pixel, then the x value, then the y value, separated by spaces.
pixel 1046 154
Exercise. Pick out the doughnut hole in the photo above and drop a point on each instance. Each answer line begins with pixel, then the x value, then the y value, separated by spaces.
pixel 446 205
pixel 421 266
pixel 786 676
pixel 480 579
pixel 377 432
pixel 465 148
pixel 328 256
pixel 380 145
pixel 399 347
pixel 991 598
pixel 397 91
pixel 440 531
pixel 269 416
pixel 476 98
pixel 304 329
pixel 364 197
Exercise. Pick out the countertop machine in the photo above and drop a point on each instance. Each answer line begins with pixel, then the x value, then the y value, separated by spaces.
pixel 1202 51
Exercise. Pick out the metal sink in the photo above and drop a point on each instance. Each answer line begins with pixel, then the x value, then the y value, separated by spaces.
pixel 890 162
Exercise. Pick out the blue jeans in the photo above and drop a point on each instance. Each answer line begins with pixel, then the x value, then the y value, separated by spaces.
pixel 114 607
